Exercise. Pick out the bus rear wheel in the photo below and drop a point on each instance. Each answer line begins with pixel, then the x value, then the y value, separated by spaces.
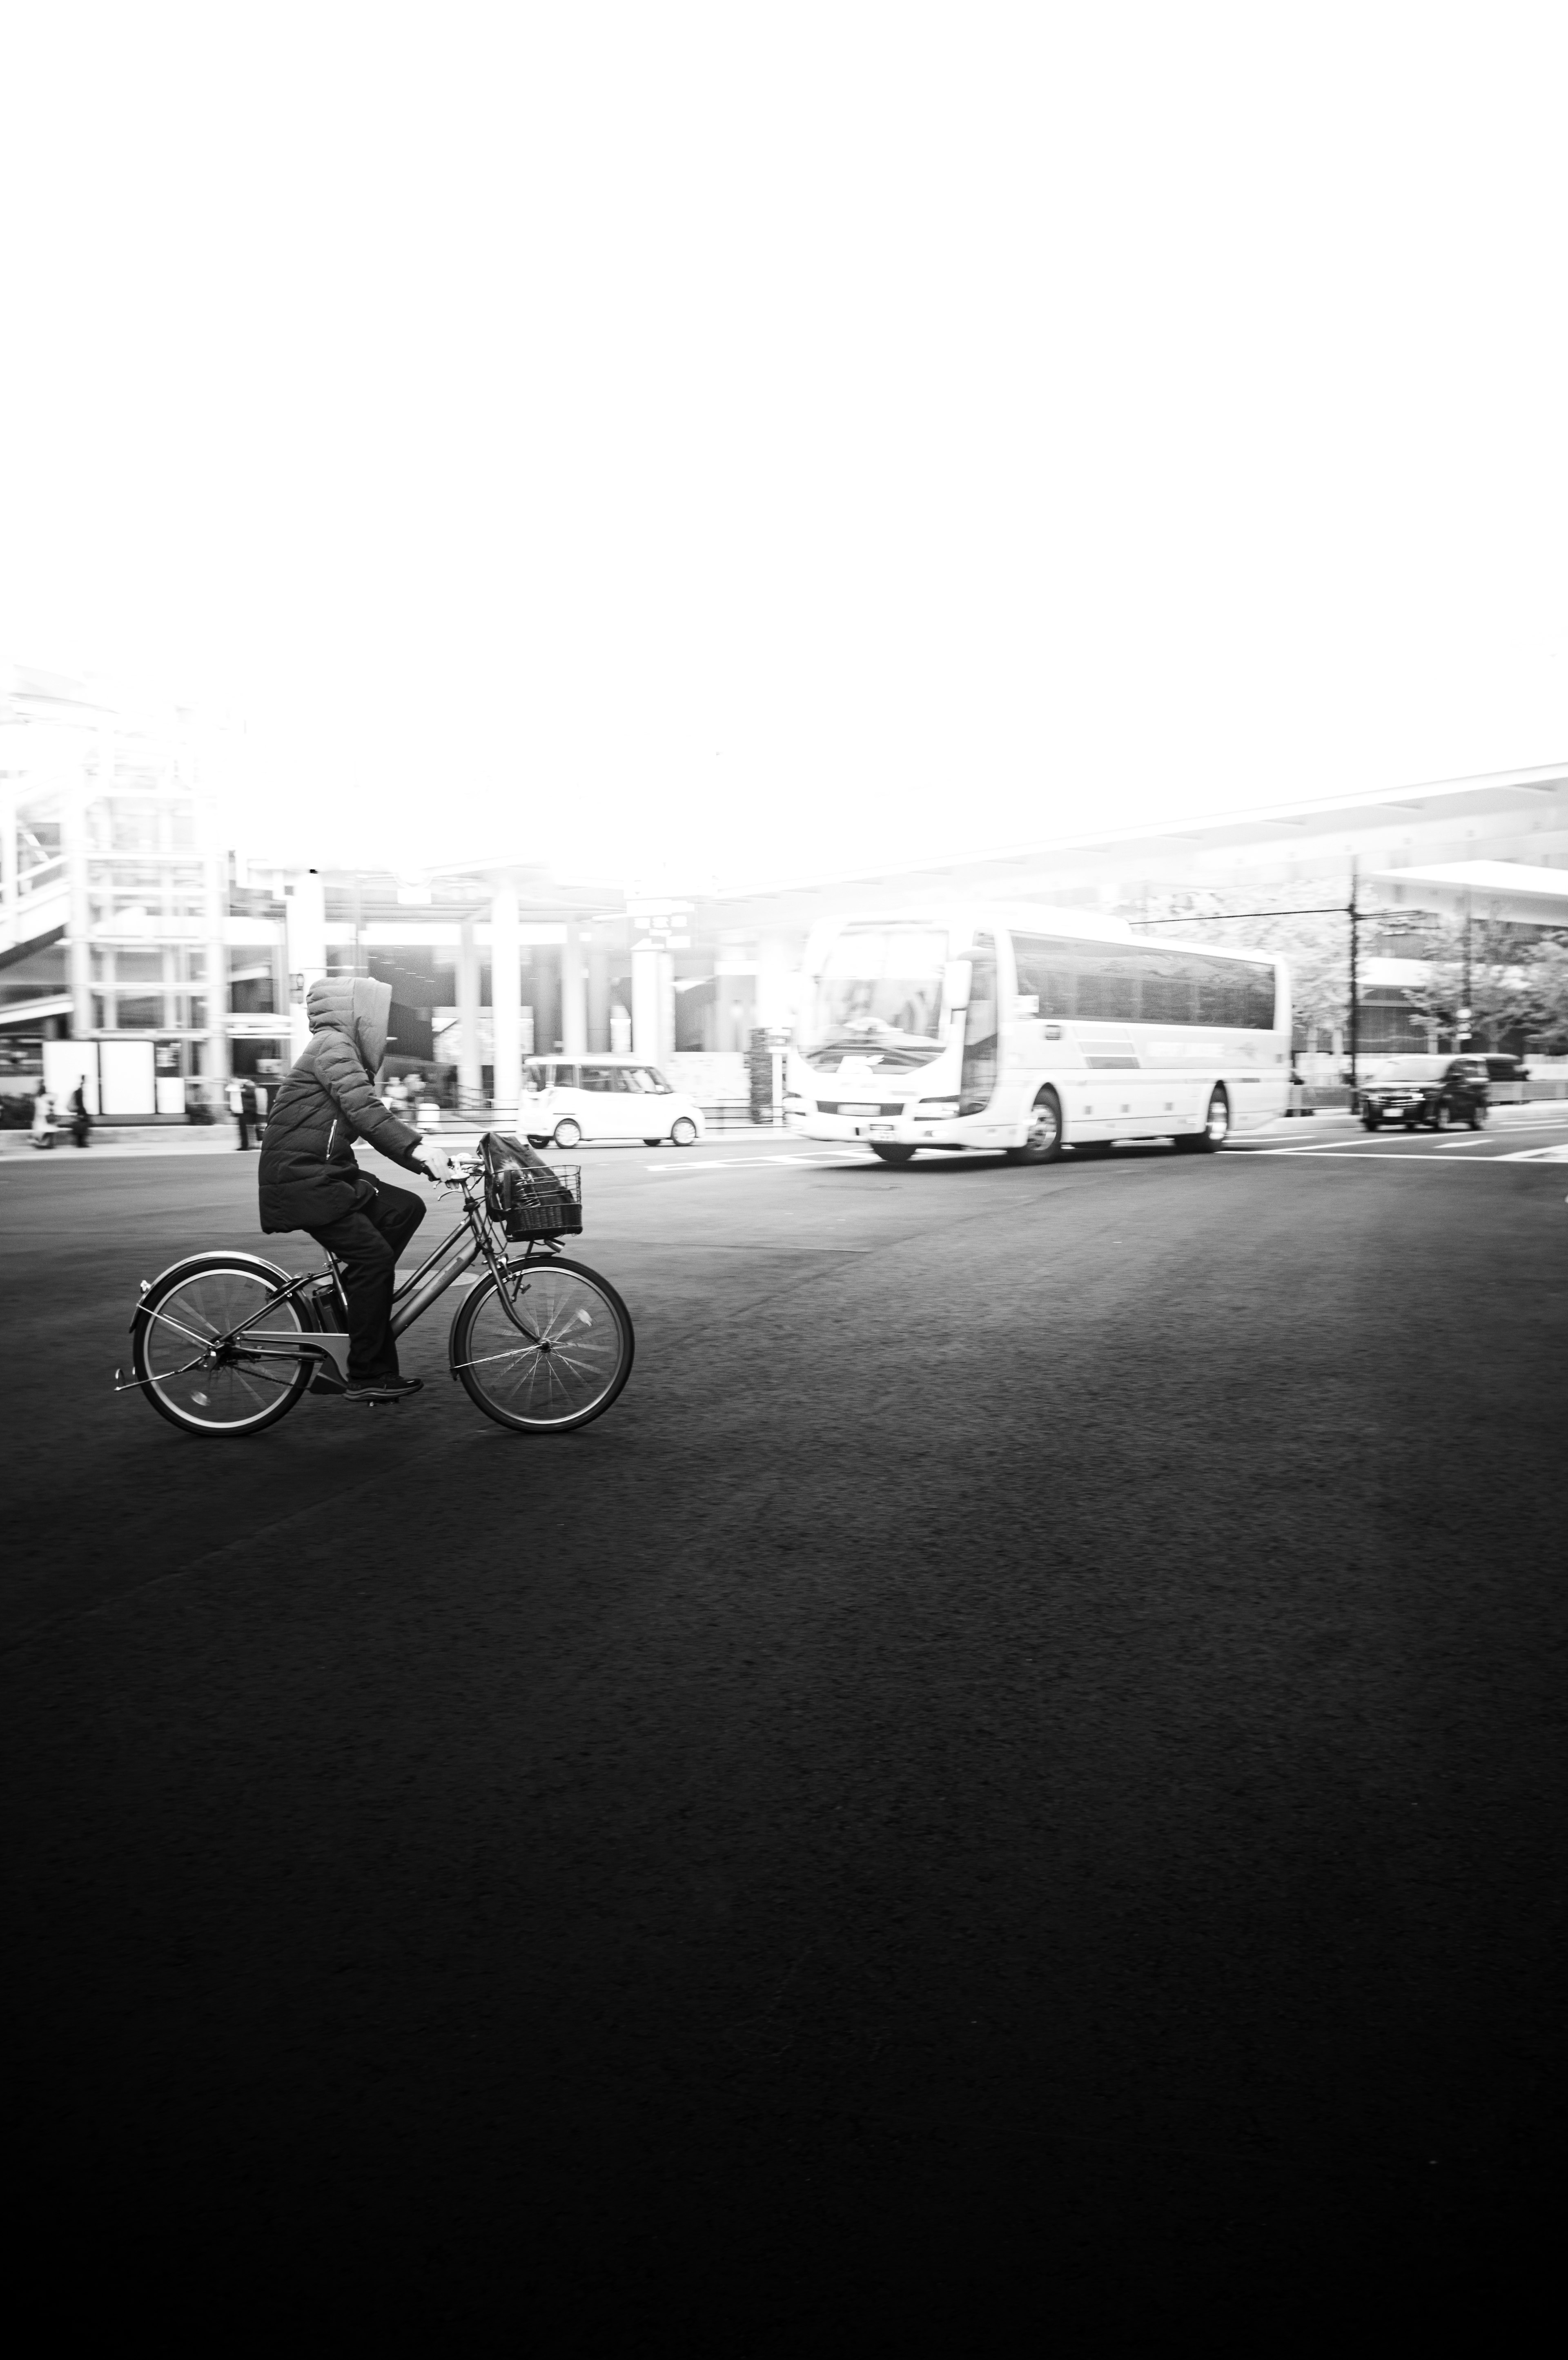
pixel 1042 1141
pixel 897 1153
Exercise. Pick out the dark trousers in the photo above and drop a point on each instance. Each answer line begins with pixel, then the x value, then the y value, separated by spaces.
pixel 367 1243
pixel 244 1121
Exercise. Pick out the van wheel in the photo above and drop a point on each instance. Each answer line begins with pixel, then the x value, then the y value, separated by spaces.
pixel 567 1132
pixel 683 1132
pixel 1042 1141
pixel 1373 1119
pixel 897 1153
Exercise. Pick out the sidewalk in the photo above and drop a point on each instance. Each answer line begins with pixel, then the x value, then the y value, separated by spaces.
pixel 221 1139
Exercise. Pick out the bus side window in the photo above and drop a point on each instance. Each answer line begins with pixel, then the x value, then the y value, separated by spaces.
pixel 1046 970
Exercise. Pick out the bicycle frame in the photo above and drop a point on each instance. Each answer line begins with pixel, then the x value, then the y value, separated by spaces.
pixel 472 1241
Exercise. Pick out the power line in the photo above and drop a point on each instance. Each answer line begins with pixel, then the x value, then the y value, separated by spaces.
pixel 1207 917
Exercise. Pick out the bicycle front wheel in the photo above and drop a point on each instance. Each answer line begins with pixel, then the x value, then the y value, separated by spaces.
pixel 556 1359
pixel 188 1372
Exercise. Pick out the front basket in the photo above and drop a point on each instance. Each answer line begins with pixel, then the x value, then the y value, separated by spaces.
pixel 530 1197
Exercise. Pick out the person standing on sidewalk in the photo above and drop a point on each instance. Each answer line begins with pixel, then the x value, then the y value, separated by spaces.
pixel 80 1115
pixel 242 1106
pixel 309 1180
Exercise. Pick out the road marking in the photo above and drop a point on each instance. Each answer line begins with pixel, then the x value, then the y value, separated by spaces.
pixel 1421 1155
pixel 755 1163
pixel 1307 1147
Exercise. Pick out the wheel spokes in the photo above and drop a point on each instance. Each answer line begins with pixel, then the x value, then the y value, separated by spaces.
pixel 224 1384
pixel 572 1363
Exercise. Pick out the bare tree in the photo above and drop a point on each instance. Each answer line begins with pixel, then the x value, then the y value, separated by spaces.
pixel 1480 964
pixel 1547 993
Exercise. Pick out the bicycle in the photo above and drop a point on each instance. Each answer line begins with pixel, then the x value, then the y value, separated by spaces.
pixel 226 1343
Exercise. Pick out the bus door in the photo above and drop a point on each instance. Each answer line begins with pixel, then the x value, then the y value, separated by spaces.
pixel 977 1077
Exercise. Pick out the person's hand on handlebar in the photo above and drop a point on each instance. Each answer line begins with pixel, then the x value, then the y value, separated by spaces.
pixel 434 1164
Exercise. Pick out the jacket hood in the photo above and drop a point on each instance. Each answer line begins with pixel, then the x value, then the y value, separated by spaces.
pixel 356 1005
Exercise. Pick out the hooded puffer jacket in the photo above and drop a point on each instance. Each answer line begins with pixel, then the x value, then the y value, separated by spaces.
pixel 307 1175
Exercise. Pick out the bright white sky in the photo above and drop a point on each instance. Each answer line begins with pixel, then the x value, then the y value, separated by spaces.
pixel 683 439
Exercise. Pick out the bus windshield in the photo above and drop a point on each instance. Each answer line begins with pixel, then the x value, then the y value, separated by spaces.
pixel 879 994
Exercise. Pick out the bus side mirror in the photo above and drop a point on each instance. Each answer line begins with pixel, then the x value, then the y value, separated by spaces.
pixel 956 978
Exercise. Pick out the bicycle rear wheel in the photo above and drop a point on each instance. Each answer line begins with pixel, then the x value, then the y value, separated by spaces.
pixel 187 1372
pixel 567 1363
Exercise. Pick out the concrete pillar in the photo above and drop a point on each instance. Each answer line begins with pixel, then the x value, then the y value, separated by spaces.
pixel 215 965
pixel 573 993
pixel 666 1006
pixel 78 921
pixel 469 1065
pixel 598 1000
pixel 647 960
pixel 506 999
pixel 305 920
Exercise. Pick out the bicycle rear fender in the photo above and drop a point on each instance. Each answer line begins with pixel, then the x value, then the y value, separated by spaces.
pixel 190 1263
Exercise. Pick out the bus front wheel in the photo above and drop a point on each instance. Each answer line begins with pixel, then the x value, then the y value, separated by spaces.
pixel 1042 1141
pixel 1215 1129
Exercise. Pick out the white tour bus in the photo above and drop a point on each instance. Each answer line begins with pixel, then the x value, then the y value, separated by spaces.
pixel 1030 1030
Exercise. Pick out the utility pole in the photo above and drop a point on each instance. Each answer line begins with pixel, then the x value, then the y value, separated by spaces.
pixel 1353 914
pixel 1461 1038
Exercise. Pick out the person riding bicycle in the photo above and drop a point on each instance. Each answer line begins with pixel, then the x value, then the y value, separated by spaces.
pixel 309 1180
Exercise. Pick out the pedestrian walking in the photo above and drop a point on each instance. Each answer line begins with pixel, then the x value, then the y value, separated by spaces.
pixel 44 1125
pixel 242 1106
pixel 81 1114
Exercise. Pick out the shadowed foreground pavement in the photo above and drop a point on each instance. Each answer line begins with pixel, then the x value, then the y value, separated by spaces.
pixel 1018 1774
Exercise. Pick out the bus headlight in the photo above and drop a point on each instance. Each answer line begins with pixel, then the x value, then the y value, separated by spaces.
pixel 929 1108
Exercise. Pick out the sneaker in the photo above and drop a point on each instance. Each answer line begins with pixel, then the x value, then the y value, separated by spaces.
pixel 382 1389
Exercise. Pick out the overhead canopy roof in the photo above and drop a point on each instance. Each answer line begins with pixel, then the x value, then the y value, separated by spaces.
pixel 1509 889
pixel 1316 831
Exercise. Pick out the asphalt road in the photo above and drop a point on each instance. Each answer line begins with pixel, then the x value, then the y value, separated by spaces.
pixel 1021 1765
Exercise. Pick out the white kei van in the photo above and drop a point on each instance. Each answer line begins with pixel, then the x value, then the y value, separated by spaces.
pixel 613 1097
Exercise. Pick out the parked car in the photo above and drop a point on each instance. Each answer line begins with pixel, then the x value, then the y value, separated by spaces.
pixel 1459 1092
pixel 615 1096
